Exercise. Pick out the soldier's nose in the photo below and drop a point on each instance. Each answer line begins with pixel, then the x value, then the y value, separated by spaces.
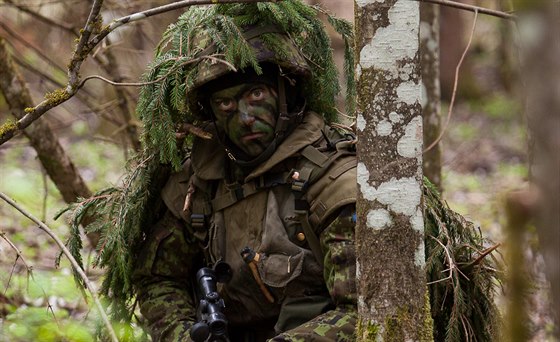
pixel 246 118
pixel 244 115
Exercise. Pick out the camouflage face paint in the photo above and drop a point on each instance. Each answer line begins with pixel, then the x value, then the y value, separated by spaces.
pixel 247 114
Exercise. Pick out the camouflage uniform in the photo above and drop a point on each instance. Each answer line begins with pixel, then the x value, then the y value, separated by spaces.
pixel 311 302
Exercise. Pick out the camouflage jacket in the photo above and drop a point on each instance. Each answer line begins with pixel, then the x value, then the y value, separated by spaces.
pixel 304 299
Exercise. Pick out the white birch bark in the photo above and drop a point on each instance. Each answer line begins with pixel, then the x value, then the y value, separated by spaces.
pixel 393 302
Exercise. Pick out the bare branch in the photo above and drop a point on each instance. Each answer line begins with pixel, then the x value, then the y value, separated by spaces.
pixel 89 285
pixel 139 84
pixel 472 8
pixel 18 252
pixel 42 18
pixel 38 51
pixel 82 49
pixel 452 103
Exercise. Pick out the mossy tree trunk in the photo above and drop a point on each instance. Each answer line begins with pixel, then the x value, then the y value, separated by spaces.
pixel 393 302
pixel 58 165
pixel 431 101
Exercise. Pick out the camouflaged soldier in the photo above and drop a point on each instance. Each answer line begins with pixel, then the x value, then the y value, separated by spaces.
pixel 274 182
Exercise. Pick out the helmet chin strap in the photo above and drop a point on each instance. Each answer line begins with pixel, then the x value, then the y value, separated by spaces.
pixel 284 125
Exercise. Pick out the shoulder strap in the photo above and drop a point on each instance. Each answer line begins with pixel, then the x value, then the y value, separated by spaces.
pixel 315 165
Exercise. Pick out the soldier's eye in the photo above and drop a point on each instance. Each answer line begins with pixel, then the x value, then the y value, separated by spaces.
pixel 225 104
pixel 257 94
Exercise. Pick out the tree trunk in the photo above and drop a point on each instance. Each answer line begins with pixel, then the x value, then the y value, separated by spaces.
pixel 393 302
pixel 431 101
pixel 542 75
pixel 54 159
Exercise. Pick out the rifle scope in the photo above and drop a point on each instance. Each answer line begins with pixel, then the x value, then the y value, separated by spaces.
pixel 212 320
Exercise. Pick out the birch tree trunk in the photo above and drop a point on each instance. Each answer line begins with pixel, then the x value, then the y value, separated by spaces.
pixel 431 99
pixel 393 302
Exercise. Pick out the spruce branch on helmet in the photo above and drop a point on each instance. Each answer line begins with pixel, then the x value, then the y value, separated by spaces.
pixel 238 36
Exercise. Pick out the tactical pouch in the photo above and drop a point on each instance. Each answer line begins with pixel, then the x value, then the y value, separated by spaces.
pixel 296 311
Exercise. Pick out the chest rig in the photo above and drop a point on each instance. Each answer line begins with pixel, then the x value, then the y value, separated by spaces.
pixel 310 165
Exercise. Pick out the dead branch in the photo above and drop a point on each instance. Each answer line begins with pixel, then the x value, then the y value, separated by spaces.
pixel 472 8
pixel 34 48
pixel 39 17
pixel 28 267
pixel 89 285
pixel 456 81
pixel 84 48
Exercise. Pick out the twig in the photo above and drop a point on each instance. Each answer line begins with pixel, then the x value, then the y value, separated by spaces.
pixel 42 18
pixel 472 8
pixel 483 255
pixel 140 84
pixel 449 260
pixel 18 252
pixel 450 110
pixel 84 48
pixel 89 285
pixel 24 41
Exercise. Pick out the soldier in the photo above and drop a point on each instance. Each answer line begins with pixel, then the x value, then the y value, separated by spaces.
pixel 270 198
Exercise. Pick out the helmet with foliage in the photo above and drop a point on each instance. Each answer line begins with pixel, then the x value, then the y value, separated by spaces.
pixel 208 42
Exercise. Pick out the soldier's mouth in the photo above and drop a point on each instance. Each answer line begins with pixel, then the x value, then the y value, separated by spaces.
pixel 252 136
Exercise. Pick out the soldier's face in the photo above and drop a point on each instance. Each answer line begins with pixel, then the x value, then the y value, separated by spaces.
pixel 247 114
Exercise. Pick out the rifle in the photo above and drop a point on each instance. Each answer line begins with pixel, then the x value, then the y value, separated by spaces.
pixel 211 321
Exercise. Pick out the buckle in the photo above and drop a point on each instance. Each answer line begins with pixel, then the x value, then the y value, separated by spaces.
pixel 198 221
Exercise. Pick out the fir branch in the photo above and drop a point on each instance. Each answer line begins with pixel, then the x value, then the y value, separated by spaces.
pixel 454 245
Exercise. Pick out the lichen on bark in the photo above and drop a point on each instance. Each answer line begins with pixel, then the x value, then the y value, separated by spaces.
pixel 389 234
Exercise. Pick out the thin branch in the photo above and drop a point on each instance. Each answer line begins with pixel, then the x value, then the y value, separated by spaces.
pixel 482 255
pixel 89 285
pixel 18 252
pixel 472 8
pixel 449 260
pixel 85 47
pixel 38 51
pixel 139 84
pixel 455 82
pixel 44 19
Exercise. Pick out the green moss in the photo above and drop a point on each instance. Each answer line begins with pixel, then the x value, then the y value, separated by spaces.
pixel 367 330
pixel 427 333
pixel 56 97
pixel 8 126
pixel 396 325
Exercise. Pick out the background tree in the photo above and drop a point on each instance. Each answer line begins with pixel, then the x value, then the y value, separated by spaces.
pixel 540 43
pixel 431 101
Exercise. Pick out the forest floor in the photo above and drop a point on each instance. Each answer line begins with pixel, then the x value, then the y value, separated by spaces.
pixel 484 159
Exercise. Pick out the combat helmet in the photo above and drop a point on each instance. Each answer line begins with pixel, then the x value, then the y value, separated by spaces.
pixel 208 42
pixel 284 69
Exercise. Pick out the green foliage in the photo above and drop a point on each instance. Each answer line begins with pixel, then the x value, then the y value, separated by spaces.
pixel 462 273
pixel 29 323
pixel 121 213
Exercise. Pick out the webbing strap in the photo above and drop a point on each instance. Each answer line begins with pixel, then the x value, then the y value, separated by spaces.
pixel 314 155
pixel 310 235
pixel 243 191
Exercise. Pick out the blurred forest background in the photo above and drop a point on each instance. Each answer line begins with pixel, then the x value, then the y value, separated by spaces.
pixel 484 147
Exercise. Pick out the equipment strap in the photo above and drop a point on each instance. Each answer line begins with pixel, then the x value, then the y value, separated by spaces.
pixel 310 235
